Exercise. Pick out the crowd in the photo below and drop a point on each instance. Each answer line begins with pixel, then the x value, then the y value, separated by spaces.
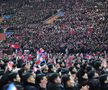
pixel 60 72
pixel 75 44
pixel 82 28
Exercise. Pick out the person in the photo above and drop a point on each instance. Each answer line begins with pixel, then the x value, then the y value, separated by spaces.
pixel 13 79
pixel 54 82
pixel 104 82
pixel 41 81
pixel 45 69
pixel 69 83
pixel 29 81
pixel 51 68
pixel 93 81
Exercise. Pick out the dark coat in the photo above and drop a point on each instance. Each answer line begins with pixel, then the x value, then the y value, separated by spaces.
pixel 30 86
pixel 75 87
pixel 71 88
pixel 40 88
pixel 53 86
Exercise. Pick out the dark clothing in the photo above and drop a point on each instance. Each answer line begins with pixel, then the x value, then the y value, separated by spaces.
pixel 71 88
pixel 18 86
pixel 30 86
pixel 40 88
pixel 75 87
pixel 53 86
pixel 104 87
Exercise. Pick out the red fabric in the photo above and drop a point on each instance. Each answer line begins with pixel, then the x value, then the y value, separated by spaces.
pixel 16 46
pixel 38 62
pixel 2 36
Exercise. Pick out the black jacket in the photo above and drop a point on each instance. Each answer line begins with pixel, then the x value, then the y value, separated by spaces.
pixel 30 86
pixel 75 87
pixel 71 88
pixel 40 88
pixel 53 86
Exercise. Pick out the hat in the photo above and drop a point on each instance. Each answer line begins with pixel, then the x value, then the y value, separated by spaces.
pixel 103 78
pixel 12 76
pixel 94 84
pixel 25 76
pixel 89 68
pixel 50 65
pixel 64 71
pixel 52 77
pixel 90 74
pixel 97 64
pixel 39 77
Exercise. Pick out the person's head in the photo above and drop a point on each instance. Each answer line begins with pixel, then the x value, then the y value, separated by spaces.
pixel 97 64
pixel 26 66
pixel 41 79
pixel 51 68
pixel 64 71
pixel 45 69
pixel 73 72
pixel 67 81
pixel 57 65
pixel 104 79
pixel 28 77
pixel 94 84
pixel 92 74
pixel 55 78
pixel 13 76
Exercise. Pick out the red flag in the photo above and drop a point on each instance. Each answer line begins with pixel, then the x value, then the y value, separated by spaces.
pixel 16 46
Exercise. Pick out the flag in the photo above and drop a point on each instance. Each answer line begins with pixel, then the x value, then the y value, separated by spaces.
pixel 12 87
pixel 15 46
pixel 41 50
pixel 39 59
pixel 10 65
pixel 52 19
pixel 40 56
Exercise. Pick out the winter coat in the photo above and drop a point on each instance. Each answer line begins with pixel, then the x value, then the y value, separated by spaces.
pixel 53 86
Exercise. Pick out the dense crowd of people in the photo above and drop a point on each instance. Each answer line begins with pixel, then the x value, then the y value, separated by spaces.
pixel 75 45
pixel 82 28
pixel 60 72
